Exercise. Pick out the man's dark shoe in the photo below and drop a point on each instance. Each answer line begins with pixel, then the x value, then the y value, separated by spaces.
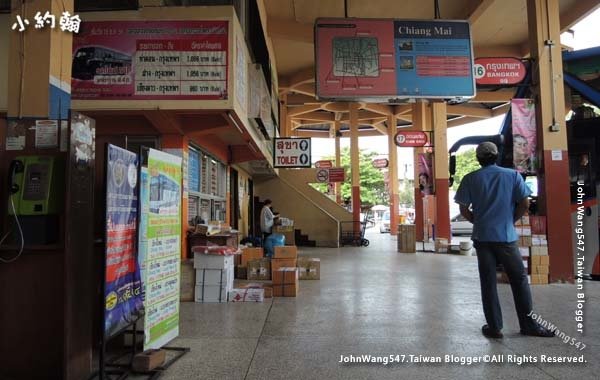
pixel 490 333
pixel 539 331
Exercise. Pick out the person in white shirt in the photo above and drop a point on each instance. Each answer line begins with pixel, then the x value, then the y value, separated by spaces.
pixel 266 219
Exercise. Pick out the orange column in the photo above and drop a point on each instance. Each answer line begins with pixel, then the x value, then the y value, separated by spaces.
pixel 354 161
pixel 338 161
pixel 544 32
pixel 442 205
pixel 393 174
pixel 421 122
pixel 180 142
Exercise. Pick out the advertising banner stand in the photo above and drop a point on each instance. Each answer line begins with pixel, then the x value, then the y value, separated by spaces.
pixel 125 261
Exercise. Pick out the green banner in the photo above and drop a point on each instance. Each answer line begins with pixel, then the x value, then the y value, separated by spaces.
pixel 163 249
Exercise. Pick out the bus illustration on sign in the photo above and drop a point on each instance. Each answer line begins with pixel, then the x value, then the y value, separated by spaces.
pixel 164 195
pixel 92 61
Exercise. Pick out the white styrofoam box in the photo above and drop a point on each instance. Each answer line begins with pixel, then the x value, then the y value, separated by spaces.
pixel 210 293
pixel 524 251
pixel 247 295
pixel 212 261
pixel 526 263
pixel 214 276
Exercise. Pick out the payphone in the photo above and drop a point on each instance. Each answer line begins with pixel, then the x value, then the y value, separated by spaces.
pixel 35 193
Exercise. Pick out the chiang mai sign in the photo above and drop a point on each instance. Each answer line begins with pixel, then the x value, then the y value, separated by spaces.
pixel 499 71
pixel 385 60
pixel 406 139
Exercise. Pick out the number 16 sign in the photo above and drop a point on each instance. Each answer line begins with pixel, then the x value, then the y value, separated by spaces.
pixel 291 153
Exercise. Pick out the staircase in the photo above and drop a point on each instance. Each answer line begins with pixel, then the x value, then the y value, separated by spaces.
pixel 315 215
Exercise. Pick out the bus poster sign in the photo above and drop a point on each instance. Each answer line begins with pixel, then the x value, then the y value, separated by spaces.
pixel 150 60
pixel 291 153
pixel 122 281
pixel 162 274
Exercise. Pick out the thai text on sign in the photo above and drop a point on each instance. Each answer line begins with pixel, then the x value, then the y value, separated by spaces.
pixel 292 153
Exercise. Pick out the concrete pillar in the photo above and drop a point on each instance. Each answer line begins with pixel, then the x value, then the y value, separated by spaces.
pixel 174 141
pixel 554 200
pixel 440 157
pixel 338 161
pixel 421 122
pixel 393 174
pixel 354 161
pixel 39 84
pixel 284 122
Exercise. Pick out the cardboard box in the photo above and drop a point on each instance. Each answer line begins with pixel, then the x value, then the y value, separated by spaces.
pixel 309 268
pixel 222 277
pixel 241 272
pixel 259 269
pixel 211 293
pixel 441 245
pixel 286 252
pixel 267 287
pixel 212 261
pixel 288 232
pixel 524 251
pixel 148 360
pixel 538 250
pixel 280 263
pixel 187 281
pixel 538 224
pixel 251 254
pixel 247 295
pixel 540 269
pixel 524 241
pixel 539 279
pixel 285 282
pixel 525 220
pixel 525 231
pixel 545 260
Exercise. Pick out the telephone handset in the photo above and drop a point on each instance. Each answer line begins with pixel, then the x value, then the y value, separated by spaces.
pixel 16 166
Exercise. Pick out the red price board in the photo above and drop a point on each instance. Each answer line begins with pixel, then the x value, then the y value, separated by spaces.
pixel 381 163
pixel 337 175
pixel 410 139
pixel 324 164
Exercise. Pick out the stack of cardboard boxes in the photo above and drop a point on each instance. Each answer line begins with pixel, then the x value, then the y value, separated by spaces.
pixel 282 269
pixel 214 277
pixel 533 245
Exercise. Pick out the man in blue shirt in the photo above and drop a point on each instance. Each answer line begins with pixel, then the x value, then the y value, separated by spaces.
pixel 498 198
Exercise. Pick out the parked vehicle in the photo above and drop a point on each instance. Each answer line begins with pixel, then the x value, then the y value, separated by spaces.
pixel 460 226
pixel 384 224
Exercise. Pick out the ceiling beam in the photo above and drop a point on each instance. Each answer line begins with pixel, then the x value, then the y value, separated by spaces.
pixel 305 89
pixel 579 10
pixel 477 9
pixel 501 110
pixel 164 121
pixel 461 121
pixel 382 109
pixel 380 128
pixel 317 116
pixel 500 96
pixel 499 51
pixel 295 111
pixel 290 30
pixel 300 99
pixel 402 109
pixel 468 111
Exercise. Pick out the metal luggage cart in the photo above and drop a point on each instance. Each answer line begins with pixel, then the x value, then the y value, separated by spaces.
pixel 353 233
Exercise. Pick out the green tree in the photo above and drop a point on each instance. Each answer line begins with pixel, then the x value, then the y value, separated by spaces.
pixel 372 184
pixel 406 195
pixel 466 162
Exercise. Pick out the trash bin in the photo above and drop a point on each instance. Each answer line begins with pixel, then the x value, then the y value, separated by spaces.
pixel 407 241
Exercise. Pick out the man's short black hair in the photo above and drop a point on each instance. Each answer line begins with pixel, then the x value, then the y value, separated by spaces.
pixel 268 201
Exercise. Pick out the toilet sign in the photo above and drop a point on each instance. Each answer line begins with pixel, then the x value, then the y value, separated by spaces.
pixel 291 153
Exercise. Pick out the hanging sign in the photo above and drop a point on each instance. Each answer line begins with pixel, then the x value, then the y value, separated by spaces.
pixel 324 164
pixel 381 163
pixel 385 60
pixel 291 153
pixel 337 175
pixel 406 139
pixel 499 71
pixel 524 135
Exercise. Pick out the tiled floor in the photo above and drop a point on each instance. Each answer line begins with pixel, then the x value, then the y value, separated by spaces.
pixel 376 301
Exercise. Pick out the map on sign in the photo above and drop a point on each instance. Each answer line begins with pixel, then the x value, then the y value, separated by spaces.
pixel 355 57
